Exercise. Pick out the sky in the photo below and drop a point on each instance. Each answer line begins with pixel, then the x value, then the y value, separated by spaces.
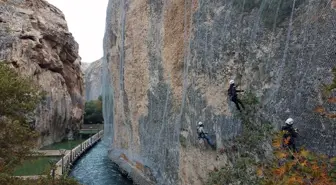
pixel 86 22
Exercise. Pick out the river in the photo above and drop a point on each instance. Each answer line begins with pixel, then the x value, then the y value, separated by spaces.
pixel 95 168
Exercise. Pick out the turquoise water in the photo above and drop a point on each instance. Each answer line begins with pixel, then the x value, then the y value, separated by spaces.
pixel 95 168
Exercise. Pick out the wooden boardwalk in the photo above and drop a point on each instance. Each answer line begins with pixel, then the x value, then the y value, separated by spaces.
pixel 69 156
pixel 64 164
pixel 51 153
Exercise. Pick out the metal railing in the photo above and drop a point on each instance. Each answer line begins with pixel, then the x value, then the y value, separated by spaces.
pixel 68 158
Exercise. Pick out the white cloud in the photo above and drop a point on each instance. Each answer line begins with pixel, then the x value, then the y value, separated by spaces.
pixel 86 21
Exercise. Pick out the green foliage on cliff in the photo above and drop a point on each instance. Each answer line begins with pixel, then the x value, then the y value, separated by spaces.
pixel 277 11
pixel 255 131
pixel 299 168
pixel 304 168
pixel 19 95
pixel 332 86
pixel 247 149
pixel 259 157
pixel 94 112
pixel 329 98
pixel 271 12
pixel 18 100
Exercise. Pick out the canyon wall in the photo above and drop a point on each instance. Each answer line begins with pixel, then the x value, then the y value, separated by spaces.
pixel 167 65
pixel 34 39
pixel 93 80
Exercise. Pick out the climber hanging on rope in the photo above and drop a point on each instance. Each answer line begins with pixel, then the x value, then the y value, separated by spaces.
pixel 232 93
pixel 203 135
pixel 290 135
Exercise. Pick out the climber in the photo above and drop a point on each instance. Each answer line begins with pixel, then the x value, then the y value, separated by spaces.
pixel 203 135
pixel 290 135
pixel 232 92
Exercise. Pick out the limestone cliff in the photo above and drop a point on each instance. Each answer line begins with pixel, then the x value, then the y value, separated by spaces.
pixel 35 40
pixel 84 66
pixel 167 65
pixel 93 80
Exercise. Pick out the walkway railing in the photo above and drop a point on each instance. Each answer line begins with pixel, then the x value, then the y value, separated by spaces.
pixel 68 158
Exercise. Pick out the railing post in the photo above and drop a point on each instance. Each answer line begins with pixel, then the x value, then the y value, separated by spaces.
pixel 70 155
pixel 62 152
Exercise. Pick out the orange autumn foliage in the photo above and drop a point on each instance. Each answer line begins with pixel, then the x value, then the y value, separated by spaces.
pixel 305 168
pixel 332 116
pixel 123 156
pixel 139 166
pixel 320 109
pixel 332 100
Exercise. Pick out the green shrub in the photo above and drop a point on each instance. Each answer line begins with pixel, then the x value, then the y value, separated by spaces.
pixel 277 11
pixel 19 97
pixel 183 141
pixel 272 12
pixel 248 144
pixel 332 86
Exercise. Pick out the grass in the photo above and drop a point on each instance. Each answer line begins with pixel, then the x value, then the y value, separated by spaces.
pixel 35 166
pixel 183 141
pixel 332 86
pixel 88 131
pixel 68 145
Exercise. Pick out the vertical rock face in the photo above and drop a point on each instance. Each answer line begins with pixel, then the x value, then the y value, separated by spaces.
pixel 35 40
pixel 93 80
pixel 167 65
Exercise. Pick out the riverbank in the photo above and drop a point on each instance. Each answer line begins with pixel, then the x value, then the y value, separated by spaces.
pixel 138 172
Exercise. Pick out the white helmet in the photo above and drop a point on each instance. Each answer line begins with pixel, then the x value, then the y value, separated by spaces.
pixel 289 121
pixel 231 82
pixel 200 123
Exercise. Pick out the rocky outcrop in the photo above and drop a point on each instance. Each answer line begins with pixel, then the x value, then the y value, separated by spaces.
pixel 35 40
pixel 168 64
pixel 84 66
pixel 93 80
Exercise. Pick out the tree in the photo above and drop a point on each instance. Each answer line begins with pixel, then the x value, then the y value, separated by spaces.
pixel 93 112
pixel 19 96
